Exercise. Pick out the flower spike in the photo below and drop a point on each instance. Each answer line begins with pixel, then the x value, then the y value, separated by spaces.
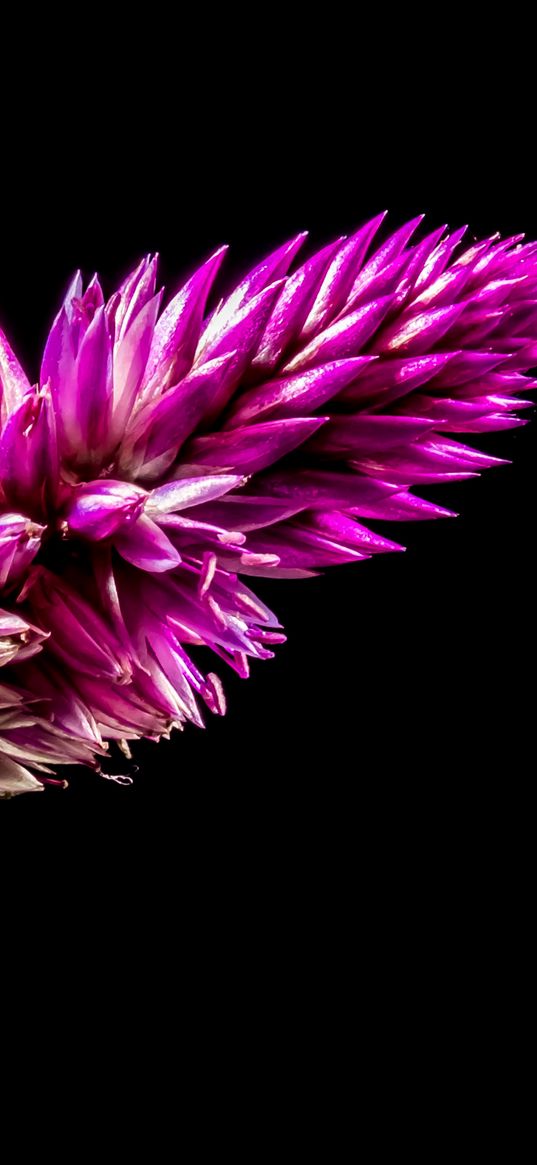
pixel 169 453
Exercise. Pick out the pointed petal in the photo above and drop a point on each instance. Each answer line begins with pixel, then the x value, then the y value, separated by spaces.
pixel 243 332
pixel 291 308
pixel 315 488
pixel 414 334
pixel 94 385
pixel 19 639
pixel 73 620
pixel 243 512
pixel 186 492
pixel 251 448
pixel 347 531
pixel 177 332
pixel 416 258
pixel 300 547
pixel 389 251
pixel 340 277
pixel 272 268
pixel 127 290
pixel 426 461
pixel 344 338
pixel 439 259
pixel 373 435
pixel 20 541
pixel 464 366
pixel 403 507
pixel 443 290
pixel 58 373
pixel 14 778
pixel 143 291
pixel 165 422
pixel 146 546
pixel 297 395
pixel 13 382
pixel 29 456
pixel 385 381
pixel 130 359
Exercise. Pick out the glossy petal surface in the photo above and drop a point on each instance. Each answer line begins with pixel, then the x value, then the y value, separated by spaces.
pixel 174 447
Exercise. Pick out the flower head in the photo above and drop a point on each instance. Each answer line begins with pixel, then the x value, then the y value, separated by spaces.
pixel 164 455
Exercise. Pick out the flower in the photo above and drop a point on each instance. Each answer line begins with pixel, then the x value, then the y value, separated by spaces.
pixel 164 456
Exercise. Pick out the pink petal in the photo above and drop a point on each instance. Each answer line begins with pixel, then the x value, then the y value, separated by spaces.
pixel 146 546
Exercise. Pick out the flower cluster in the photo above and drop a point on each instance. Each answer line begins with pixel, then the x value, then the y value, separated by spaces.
pixel 164 456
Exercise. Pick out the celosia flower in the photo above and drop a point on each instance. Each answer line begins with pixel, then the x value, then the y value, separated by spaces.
pixel 165 455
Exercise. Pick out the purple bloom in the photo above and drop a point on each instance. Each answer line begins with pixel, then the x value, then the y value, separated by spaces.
pixel 165 455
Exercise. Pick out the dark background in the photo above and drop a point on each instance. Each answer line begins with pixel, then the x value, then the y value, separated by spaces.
pixel 332 888
pixel 406 681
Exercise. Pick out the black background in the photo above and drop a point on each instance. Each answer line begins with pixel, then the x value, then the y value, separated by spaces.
pixel 331 887
pixel 405 680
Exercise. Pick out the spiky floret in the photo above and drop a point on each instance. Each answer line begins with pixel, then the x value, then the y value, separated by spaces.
pixel 165 455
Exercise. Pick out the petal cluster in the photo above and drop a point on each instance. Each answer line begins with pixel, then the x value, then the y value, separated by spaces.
pixel 167 453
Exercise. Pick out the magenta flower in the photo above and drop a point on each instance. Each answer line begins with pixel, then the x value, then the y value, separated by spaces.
pixel 165 455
